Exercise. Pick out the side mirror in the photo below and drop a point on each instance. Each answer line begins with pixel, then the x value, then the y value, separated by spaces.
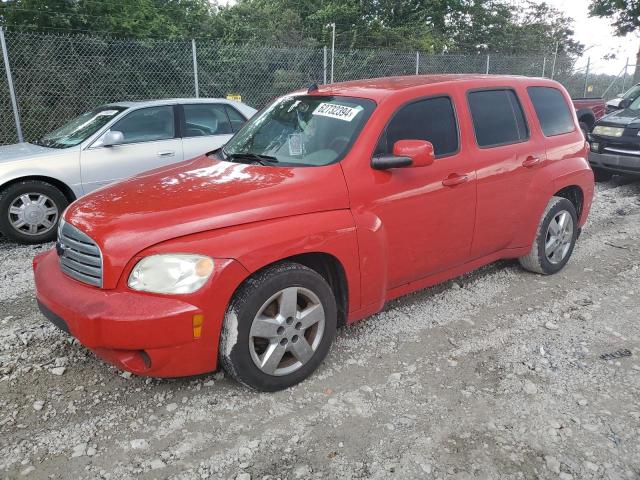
pixel 111 138
pixel 625 103
pixel 406 153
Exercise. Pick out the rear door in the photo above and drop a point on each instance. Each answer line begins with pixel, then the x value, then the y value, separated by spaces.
pixel 207 126
pixel 506 158
pixel 150 141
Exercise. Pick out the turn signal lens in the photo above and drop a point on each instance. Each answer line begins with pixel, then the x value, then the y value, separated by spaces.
pixel 198 320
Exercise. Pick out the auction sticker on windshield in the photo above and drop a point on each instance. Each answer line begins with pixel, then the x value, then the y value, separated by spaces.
pixel 341 112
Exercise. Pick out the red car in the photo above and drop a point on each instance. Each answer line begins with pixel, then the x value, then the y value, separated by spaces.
pixel 327 204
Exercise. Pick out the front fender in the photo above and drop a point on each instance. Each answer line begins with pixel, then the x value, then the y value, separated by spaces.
pixel 256 245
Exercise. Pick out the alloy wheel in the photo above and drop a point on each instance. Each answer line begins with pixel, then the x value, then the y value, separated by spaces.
pixel 286 331
pixel 559 237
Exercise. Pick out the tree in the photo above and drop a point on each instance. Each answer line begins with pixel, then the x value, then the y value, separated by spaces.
pixel 626 19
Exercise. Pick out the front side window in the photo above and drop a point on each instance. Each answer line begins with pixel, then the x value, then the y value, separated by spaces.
pixel 80 128
pixel 432 119
pixel 552 110
pixel 306 130
pixel 206 119
pixel 497 118
pixel 147 125
pixel 632 93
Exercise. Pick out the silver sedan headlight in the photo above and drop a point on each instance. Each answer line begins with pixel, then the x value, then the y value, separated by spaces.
pixel 171 273
pixel 608 131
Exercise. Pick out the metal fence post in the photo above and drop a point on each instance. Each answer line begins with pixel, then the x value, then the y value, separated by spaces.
pixel 555 58
pixel 586 77
pixel 488 63
pixel 544 65
pixel 324 55
pixel 12 93
pixel 417 62
pixel 195 67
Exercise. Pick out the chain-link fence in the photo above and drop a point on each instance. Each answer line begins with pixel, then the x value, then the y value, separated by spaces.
pixel 57 77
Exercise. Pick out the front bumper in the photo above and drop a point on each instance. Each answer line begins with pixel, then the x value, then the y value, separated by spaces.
pixel 626 164
pixel 142 333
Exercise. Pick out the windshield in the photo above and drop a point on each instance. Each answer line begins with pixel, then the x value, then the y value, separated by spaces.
pixel 635 105
pixel 301 130
pixel 632 93
pixel 79 129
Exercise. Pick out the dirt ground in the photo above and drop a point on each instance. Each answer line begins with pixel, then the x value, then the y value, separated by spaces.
pixel 497 374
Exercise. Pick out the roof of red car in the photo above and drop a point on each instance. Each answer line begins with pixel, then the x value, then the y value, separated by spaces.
pixel 378 88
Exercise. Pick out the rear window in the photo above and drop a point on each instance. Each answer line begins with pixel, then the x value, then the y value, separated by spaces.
pixel 497 118
pixel 552 110
pixel 432 119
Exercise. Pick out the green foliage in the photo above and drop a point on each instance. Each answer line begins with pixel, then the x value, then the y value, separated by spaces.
pixel 625 14
pixel 470 26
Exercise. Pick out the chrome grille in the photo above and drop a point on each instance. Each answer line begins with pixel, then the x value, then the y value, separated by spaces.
pixel 80 257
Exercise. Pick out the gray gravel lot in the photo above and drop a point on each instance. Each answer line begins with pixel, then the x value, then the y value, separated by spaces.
pixel 496 374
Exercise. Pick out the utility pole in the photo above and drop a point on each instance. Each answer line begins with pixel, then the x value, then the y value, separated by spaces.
pixel 333 45
pixel 586 77
pixel 555 58
pixel 12 92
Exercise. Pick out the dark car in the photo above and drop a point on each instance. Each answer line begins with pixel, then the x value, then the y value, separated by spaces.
pixel 615 142
pixel 616 103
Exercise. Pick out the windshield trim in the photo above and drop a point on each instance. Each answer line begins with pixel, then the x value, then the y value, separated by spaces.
pixel 225 156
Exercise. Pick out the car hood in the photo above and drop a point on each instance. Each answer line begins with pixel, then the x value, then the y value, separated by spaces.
pixel 23 151
pixel 622 118
pixel 200 195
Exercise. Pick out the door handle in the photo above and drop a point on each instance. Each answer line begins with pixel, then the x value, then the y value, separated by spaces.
pixel 455 179
pixel 531 161
pixel 167 153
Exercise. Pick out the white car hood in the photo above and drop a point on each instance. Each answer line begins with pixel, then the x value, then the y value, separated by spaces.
pixel 24 151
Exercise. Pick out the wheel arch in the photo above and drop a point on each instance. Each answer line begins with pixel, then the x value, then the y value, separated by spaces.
pixel 575 195
pixel 60 185
pixel 326 265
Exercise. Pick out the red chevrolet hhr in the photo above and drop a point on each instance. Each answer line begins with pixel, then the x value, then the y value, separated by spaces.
pixel 327 204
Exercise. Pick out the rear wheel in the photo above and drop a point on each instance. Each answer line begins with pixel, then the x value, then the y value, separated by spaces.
pixel 30 211
pixel 278 327
pixel 555 238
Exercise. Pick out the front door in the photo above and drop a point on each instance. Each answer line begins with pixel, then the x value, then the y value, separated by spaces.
pixel 425 215
pixel 149 142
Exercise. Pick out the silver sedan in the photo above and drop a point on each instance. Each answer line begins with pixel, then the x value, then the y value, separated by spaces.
pixel 39 179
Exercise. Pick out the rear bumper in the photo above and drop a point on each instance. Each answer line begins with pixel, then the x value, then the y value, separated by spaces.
pixel 142 333
pixel 615 163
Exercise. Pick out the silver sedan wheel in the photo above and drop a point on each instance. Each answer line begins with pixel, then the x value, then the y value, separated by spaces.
pixel 286 331
pixel 559 237
pixel 33 214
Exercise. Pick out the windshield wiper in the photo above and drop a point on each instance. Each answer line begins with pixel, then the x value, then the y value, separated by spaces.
pixel 251 158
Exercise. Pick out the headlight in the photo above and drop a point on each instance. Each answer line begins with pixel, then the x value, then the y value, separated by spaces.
pixel 171 273
pixel 608 131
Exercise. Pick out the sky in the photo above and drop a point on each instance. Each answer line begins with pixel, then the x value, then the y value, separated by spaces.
pixel 597 36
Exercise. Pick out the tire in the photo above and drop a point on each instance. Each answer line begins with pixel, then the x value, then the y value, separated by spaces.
pixel 602 175
pixel 268 295
pixel 45 216
pixel 538 260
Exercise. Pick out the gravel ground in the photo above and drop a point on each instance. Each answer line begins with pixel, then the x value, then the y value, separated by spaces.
pixel 497 374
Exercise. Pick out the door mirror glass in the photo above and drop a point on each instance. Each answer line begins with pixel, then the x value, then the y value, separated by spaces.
pixel 111 138
pixel 419 151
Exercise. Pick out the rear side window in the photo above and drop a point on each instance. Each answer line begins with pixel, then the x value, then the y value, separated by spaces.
pixel 497 118
pixel 203 119
pixel 432 119
pixel 552 110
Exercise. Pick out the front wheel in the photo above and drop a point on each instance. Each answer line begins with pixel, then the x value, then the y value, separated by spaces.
pixel 30 211
pixel 555 238
pixel 278 327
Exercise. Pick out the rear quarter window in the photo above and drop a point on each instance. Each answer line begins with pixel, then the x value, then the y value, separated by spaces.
pixel 552 110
